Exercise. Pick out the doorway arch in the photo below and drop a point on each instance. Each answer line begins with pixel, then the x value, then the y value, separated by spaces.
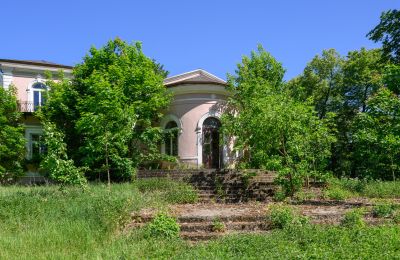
pixel 211 147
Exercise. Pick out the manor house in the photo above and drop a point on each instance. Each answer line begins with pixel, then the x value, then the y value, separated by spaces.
pixel 195 110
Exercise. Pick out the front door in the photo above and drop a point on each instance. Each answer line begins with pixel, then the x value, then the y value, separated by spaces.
pixel 211 148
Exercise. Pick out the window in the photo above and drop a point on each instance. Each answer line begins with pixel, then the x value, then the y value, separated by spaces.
pixel 37 148
pixel 171 138
pixel 38 94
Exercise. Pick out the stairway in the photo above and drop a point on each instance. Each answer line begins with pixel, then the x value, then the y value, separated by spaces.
pixel 233 186
pixel 205 228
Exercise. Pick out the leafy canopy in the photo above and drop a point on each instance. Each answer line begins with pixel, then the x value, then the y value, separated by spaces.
pixel 12 141
pixel 273 130
pixel 105 113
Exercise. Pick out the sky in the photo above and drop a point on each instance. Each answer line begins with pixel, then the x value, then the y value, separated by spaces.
pixel 187 35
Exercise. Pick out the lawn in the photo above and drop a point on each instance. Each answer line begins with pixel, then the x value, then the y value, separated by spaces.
pixel 46 222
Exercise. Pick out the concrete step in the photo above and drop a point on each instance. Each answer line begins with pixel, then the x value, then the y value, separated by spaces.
pixel 231 218
pixel 200 236
pixel 229 226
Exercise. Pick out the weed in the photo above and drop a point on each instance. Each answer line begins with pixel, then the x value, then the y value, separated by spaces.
pixel 353 218
pixel 284 216
pixel 163 226
pixel 396 216
pixel 218 225
pixel 384 210
pixel 337 193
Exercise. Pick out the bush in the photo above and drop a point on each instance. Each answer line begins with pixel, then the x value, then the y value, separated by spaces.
pixel 353 218
pixel 337 193
pixel 384 210
pixel 284 216
pixel 218 225
pixel 163 226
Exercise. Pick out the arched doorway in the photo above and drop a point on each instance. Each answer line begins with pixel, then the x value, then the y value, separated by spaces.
pixel 212 152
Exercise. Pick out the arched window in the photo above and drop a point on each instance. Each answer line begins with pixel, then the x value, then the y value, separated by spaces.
pixel 171 138
pixel 38 94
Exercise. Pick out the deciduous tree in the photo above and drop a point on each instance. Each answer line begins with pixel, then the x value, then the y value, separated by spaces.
pixel 12 141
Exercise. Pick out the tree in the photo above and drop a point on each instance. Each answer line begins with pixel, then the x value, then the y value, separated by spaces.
pixel 363 72
pixel 388 32
pixel 12 141
pixel 377 137
pixel 321 82
pixel 277 132
pixel 108 109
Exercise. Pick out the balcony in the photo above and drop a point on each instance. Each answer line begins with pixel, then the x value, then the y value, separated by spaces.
pixel 28 106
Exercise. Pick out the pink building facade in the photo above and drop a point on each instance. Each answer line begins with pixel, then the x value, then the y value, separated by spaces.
pixel 195 110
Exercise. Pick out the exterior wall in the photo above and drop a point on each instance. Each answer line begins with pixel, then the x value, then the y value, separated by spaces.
pixel 191 109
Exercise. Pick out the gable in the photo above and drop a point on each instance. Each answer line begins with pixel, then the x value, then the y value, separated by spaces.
pixel 194 77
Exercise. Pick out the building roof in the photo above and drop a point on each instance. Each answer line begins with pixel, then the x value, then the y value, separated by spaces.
pixel 38 63
pixel 198 76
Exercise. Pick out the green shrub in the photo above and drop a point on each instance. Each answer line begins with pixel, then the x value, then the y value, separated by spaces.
pixel 353 218
pixel 337 193
pixel 218 225
pixel 352 185
pixel 383 210
pixel 284 216
pixel 279 195
pixel 164 226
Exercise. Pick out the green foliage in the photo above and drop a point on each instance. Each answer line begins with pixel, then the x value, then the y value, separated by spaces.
pixel 396 217
pixel 272 130
pixel 364 188
pixel 284 216
pixel 106 111
pixel 339 189
pixel 304 195
pixel 377 137
pixel 218 225
pixel 353 219
pixel 12 141
pixel 391 78
pixel 383 210
pixel 388 32
pixel 175 192
pixel 163 226
pixel 320 83
pixel 55 163
pixel 381 189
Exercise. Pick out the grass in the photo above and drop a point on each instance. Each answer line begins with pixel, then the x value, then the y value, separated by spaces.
pixel 49 223
pixel 46 222
pixel 340 189
pixel 309 242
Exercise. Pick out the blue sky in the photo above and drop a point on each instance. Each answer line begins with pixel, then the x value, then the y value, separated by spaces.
pixel 186 35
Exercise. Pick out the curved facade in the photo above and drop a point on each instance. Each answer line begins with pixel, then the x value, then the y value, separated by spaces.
pixel 197 96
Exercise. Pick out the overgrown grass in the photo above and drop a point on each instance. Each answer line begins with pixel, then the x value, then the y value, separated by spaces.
pixel 47 223
pixel 340 189
pixel 308 242
pixel 178 192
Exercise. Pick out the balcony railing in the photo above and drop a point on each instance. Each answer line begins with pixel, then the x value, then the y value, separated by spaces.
pixel 27 106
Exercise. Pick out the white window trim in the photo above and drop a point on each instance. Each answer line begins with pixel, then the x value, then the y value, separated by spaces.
pixel 199 131
pixel 29 89
pixel 29 130
pixel 163 124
